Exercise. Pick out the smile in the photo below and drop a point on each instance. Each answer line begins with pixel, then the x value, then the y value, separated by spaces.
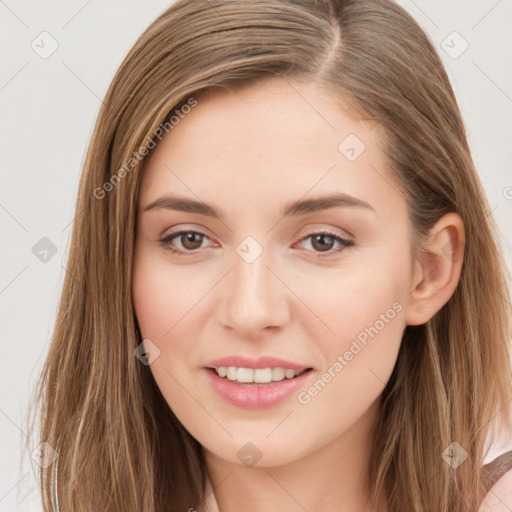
pixel 256 395
pixel 258 375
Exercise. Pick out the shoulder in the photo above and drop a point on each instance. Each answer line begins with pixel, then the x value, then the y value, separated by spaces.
pixel 499 497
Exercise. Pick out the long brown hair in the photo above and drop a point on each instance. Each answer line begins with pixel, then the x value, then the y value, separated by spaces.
pixel 100 407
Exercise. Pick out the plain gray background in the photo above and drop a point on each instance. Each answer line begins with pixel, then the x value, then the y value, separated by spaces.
pixel 48 109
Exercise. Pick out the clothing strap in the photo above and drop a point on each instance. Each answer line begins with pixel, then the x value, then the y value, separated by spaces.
pixel 495 469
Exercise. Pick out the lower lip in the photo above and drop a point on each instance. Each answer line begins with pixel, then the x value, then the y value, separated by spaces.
pixel 253 395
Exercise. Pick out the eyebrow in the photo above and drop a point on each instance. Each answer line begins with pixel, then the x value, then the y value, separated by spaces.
pixel 292 208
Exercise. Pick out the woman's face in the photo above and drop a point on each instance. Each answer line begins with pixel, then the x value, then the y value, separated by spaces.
pixel 321 285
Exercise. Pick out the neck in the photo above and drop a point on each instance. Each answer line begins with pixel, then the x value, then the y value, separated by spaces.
pixel 331 478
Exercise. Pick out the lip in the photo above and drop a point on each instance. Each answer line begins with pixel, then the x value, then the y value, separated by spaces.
pixel 241 361
pixel 254 395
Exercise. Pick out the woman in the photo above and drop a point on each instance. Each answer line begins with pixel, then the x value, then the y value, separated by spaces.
pixel 284 287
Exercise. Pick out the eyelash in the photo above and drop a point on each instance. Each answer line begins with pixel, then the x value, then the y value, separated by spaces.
pixel 166 242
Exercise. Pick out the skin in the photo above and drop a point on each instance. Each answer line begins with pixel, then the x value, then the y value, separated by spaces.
pixel 499 497
pixel 248 151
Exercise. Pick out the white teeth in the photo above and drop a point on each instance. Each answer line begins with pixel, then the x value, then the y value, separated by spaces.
pixel 262 375
pixel 278 373
pixel 289 374
pixel 259 375
pixel 244 374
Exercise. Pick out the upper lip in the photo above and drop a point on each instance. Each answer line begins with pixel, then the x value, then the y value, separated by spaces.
pixel 241 361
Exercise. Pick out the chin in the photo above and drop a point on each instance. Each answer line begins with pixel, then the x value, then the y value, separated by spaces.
pixel 260 451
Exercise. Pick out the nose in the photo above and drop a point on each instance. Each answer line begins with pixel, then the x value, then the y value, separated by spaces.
pixel 254 298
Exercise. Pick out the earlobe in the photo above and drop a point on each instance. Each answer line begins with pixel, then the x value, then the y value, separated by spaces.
pixel 437 270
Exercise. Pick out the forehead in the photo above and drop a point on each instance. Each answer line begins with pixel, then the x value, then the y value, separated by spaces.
pixel 270 141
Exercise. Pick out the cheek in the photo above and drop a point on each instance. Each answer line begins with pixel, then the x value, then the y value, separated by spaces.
pixel 358 360
pixel 167 306
pixel 161 309
pixel 163 297
pixel 365 311
pixel 151 302
pixel 358 303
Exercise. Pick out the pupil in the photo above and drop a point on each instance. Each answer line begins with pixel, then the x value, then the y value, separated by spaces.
pixel 189 238
pixel 322 238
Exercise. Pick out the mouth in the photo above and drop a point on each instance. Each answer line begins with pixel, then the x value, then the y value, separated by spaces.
pixel 256 388
pixel 242 375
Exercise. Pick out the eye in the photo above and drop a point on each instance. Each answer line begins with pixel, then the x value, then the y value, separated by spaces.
pixel 191 240
pixel 322 242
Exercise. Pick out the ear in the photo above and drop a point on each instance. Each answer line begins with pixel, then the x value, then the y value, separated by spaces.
pixel 437 271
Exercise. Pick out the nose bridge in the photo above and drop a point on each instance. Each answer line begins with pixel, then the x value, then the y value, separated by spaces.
pixel 255 298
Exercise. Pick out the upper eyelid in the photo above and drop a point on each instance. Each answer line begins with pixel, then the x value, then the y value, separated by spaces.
pixel 304 236
pixel 305 232
pixel 180 231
